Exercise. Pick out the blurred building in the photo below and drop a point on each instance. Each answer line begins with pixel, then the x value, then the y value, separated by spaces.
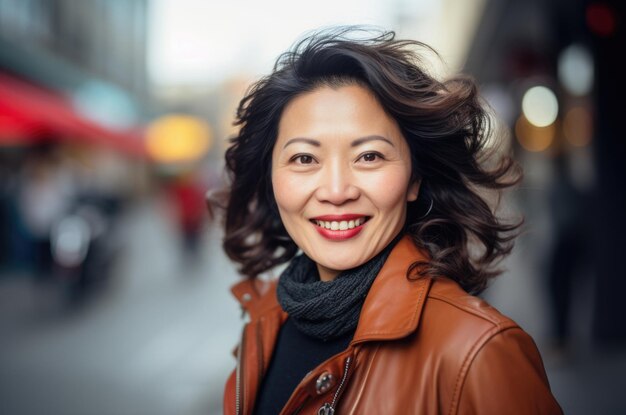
pixel 92 54
pixel 74 100
pixel 575 162
pixel 106 39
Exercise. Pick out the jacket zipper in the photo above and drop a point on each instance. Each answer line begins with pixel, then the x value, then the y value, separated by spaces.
pixel 329 409
pixel 259 345
pixel 239 373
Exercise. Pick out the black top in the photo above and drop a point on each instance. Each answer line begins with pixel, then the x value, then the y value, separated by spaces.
pixel 294 356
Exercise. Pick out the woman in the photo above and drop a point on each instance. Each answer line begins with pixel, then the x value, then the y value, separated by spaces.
pixel 351 153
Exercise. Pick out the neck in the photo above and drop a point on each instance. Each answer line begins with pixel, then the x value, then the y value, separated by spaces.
pixel 327 274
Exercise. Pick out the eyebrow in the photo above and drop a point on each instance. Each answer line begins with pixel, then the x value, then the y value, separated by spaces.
pixel 355 143
pixel 368 138
pixel 303 140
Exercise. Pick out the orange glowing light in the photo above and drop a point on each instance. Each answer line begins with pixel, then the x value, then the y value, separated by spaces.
pixel 578 126
pixel 178 138
pixel 533 138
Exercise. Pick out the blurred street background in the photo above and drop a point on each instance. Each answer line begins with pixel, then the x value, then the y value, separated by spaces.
pixel 114 118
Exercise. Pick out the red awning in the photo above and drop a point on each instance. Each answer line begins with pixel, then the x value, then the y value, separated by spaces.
pixel 29 113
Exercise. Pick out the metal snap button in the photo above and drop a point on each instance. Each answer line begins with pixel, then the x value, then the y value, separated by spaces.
pixel 324 383
pixel 246 297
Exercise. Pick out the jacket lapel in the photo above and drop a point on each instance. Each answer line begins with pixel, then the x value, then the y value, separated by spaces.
pixel 394 304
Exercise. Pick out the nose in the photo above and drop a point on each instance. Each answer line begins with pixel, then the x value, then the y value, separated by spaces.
pixel 337 184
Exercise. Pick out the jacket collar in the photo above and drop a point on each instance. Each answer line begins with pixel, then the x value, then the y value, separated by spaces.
pixel 257 296
pixel 394 304
pixel 392 308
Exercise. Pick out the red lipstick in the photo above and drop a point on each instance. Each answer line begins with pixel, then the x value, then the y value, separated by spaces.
pixel 339 235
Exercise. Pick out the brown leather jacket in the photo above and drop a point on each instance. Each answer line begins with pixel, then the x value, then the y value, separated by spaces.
pixel 421 347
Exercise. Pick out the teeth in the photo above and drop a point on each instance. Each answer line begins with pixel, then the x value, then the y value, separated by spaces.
pixel 341 225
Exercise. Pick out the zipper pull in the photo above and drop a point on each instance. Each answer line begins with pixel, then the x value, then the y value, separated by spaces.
pixel 329 408
pixel 326 410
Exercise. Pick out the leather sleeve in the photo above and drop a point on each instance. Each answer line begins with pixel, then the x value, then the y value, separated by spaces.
pixel 506 376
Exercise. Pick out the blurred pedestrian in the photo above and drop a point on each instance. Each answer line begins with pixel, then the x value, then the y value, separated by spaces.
pixel 188 196
pixel 352 154
pixel 571 247
pixel 44 196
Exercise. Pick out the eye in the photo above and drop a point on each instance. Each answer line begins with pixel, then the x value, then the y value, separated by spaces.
pixel 371 157
pixel 302 159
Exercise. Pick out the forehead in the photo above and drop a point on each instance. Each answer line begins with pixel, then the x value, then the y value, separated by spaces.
pixel 350 111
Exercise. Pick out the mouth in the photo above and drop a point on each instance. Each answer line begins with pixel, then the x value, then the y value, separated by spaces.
pixel 339 227
pixel 340 224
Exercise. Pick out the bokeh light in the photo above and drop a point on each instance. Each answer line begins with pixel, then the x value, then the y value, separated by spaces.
pixel 600 19
pixel 540 106
pixel 178 138
pixel 578 126
pixel 575 69
pixel 534 138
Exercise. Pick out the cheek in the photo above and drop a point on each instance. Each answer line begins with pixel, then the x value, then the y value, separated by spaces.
pixel 389 190
pixel 286 191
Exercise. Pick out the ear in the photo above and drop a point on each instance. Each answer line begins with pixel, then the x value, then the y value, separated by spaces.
pixel 413 191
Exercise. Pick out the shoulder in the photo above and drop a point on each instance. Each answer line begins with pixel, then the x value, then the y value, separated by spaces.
pixel 460 323
pixel 462 355
pixel 456 304
pixel 489 352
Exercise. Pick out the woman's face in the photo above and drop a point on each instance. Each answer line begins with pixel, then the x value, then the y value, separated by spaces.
pixel 341 174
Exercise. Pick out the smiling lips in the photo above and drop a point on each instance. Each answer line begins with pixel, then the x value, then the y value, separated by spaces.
pixel 339 227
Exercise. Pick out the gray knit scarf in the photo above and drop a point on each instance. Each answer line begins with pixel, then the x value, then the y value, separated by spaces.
pixel 326 310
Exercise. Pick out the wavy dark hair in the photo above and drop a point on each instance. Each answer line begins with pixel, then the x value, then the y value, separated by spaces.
pixel 444 123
